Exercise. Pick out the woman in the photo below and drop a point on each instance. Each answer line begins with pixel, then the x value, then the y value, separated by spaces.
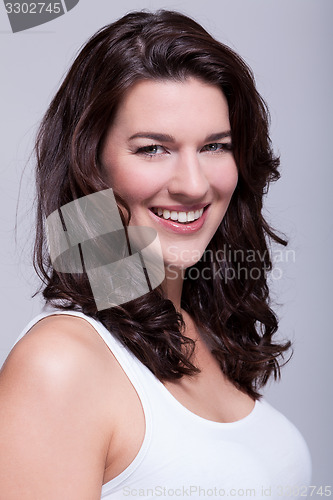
pixel 157 396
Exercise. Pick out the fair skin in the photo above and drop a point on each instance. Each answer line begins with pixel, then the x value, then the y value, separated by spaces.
pixel 169 148
pixel 70 420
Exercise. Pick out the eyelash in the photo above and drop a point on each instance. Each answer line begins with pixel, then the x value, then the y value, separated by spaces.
pixel 223 147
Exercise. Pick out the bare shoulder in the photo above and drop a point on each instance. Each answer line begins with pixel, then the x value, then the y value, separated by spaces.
pixel 62 363
pixel 59 346
pixel 53 386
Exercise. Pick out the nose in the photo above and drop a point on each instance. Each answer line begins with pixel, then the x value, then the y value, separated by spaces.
pixel 188 179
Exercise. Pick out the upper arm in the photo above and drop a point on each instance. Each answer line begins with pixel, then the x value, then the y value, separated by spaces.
pixel 53 427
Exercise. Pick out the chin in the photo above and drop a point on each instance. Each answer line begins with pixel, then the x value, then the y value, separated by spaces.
pixel 181 264
pixel 183 255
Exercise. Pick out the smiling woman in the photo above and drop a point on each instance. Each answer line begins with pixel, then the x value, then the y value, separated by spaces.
pixel 158 395
pixel 183 184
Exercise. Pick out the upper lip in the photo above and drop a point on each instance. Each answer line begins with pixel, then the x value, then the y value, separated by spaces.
pixel 182 208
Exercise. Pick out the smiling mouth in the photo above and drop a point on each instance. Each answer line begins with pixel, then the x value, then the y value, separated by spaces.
pixel 181 217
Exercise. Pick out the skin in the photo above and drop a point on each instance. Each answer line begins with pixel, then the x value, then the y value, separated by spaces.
pixel 70 420
pixel 185 172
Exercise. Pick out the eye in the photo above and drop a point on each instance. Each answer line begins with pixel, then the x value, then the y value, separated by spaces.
pixel 152 150
pixel 216 147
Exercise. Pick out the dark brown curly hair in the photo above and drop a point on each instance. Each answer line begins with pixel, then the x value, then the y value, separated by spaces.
pixel 229 301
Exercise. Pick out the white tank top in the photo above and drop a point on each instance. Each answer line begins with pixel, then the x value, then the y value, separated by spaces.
pixel 184 455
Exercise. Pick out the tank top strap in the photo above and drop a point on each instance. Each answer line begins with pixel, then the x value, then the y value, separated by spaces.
pixel 131 366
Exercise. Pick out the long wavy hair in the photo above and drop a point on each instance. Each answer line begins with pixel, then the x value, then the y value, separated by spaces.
pixel 226 292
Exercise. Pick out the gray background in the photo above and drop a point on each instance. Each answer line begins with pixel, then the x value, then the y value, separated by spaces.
pixel 288 44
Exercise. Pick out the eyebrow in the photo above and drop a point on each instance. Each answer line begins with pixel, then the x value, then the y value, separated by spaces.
pixel 169 138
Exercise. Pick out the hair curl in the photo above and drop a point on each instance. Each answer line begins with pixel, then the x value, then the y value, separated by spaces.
pixel 233 314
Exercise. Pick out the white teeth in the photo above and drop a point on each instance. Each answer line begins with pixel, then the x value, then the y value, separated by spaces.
pixel 182 217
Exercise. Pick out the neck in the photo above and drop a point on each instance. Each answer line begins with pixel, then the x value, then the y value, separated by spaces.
pixel 173 285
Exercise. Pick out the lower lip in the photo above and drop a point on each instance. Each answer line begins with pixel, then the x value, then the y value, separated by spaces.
pixel 177 227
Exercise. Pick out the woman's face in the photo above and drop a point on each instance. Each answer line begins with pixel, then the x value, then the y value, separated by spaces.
pixel 168 154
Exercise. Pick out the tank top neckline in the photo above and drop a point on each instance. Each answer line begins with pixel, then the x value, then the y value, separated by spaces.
pixel 149 388
pixel 206 421
pixel 172 399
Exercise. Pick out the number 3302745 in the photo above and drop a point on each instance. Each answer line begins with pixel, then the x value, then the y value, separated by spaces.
pixel 33 8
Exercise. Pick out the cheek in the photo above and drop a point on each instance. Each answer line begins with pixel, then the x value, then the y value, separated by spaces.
pixel 225 182
pixel 134 184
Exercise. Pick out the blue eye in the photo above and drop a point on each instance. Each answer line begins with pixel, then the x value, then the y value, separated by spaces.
pixel 217 147
pixel 152 150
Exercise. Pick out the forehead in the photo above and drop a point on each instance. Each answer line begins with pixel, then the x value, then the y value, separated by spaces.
pixel 180 106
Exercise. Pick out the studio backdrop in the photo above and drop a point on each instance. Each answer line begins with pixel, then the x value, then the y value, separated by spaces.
pixel 288 44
